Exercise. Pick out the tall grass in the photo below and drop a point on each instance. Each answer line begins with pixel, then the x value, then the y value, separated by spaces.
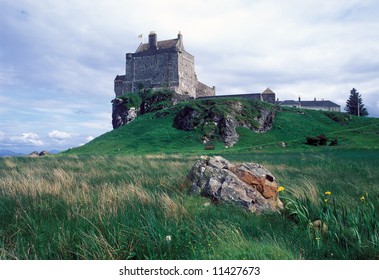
pixel 138 207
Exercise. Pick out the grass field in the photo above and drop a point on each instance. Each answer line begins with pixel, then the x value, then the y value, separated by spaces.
pixel 138 207
pixel 125 195
pixel 149 134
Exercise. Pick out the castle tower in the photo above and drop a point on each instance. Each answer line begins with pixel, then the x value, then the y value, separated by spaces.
pixel 268 96
pixel 161 64
pixel 153 41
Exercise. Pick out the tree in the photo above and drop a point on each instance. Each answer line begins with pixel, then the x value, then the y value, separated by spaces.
pixel 354 105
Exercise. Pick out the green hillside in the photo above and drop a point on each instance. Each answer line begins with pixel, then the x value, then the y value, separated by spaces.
pixel 154 133
pixel 125 194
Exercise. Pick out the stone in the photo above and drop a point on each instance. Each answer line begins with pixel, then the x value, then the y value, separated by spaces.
pixel 229 133
pixel 120 114
pixel 188 118
pixel 318 226
pixel 34 154
pixel 249 185
pixel 43 153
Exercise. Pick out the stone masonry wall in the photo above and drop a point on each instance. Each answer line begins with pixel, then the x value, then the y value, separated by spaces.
pixel 149 71
pixel 162 64
pixel 187 75
pixel 203 90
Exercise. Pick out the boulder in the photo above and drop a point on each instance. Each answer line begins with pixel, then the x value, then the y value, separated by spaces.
pixel 34 154
pixel 249 185
pixel 43 153
pixel 121 114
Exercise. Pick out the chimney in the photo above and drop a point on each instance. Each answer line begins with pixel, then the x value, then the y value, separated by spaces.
pixel 299 98
pixel 315 99
pixel 153 41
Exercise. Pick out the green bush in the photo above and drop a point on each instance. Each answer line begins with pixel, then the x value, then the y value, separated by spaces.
pixel 319 140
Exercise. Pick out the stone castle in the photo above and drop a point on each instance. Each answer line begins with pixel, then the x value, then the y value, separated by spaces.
pixel 161 64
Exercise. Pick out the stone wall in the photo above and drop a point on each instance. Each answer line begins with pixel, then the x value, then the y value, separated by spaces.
pixel 162 64
pixel 187 75
pixel 203 90
pixel 270 98
pixel 150 71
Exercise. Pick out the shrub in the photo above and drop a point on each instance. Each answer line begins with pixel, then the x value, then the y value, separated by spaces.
pixel 334 142
pixel 319 140
pixel 341 118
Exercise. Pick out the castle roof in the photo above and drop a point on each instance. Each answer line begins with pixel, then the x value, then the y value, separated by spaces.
pixel 267 91
pixel 162 45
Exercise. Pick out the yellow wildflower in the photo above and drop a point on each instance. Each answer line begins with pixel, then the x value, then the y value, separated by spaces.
pixel 328 193
pixel 281 188
pixel 362 198
pixel 326 200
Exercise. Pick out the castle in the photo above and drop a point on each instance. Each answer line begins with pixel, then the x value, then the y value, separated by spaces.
pixel 161 64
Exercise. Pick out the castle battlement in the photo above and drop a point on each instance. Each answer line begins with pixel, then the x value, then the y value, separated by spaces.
pixel 161 64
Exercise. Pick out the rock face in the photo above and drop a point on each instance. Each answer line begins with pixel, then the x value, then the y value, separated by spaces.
pixel 125 109
pixel 249 185
pixel 120 114
pixel 226 121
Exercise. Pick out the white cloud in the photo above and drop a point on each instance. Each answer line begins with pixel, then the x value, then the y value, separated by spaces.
pixel 8 76
pixel 28 139
pixel 90 138
pixel 59 135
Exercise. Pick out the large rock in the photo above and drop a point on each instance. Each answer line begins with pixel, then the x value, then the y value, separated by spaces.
pixel 249 185
pixel 229 133
pixel 121 114
pixel 226 117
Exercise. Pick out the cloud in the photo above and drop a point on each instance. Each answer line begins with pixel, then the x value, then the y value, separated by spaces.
pixel 59 135
pixel 27 139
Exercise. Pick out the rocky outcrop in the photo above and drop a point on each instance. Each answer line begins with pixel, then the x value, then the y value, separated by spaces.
pixel 249 185
pixel 226 119
pixel 121 114
pixel 127 107
pixel 39 154
pixel 229 133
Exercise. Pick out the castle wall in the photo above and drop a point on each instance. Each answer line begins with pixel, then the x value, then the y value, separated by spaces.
pixel 269 97
pixel 161 64
pixel 203 90
pixel 187 75
pixel 150 71
pixel 255 96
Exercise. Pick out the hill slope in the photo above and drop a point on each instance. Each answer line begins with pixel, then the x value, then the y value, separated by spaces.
pixel 155 133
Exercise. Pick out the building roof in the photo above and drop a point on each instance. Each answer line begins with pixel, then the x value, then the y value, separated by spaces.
pixel 176 43
pixel 268 91
pixel 166 44
pixel 322 103
pixel 289 103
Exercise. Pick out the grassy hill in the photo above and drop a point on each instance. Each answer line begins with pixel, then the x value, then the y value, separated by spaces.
pixel 154 133
pixel 125 195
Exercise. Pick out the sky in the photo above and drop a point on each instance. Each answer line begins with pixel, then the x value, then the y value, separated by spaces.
pixel 58 59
